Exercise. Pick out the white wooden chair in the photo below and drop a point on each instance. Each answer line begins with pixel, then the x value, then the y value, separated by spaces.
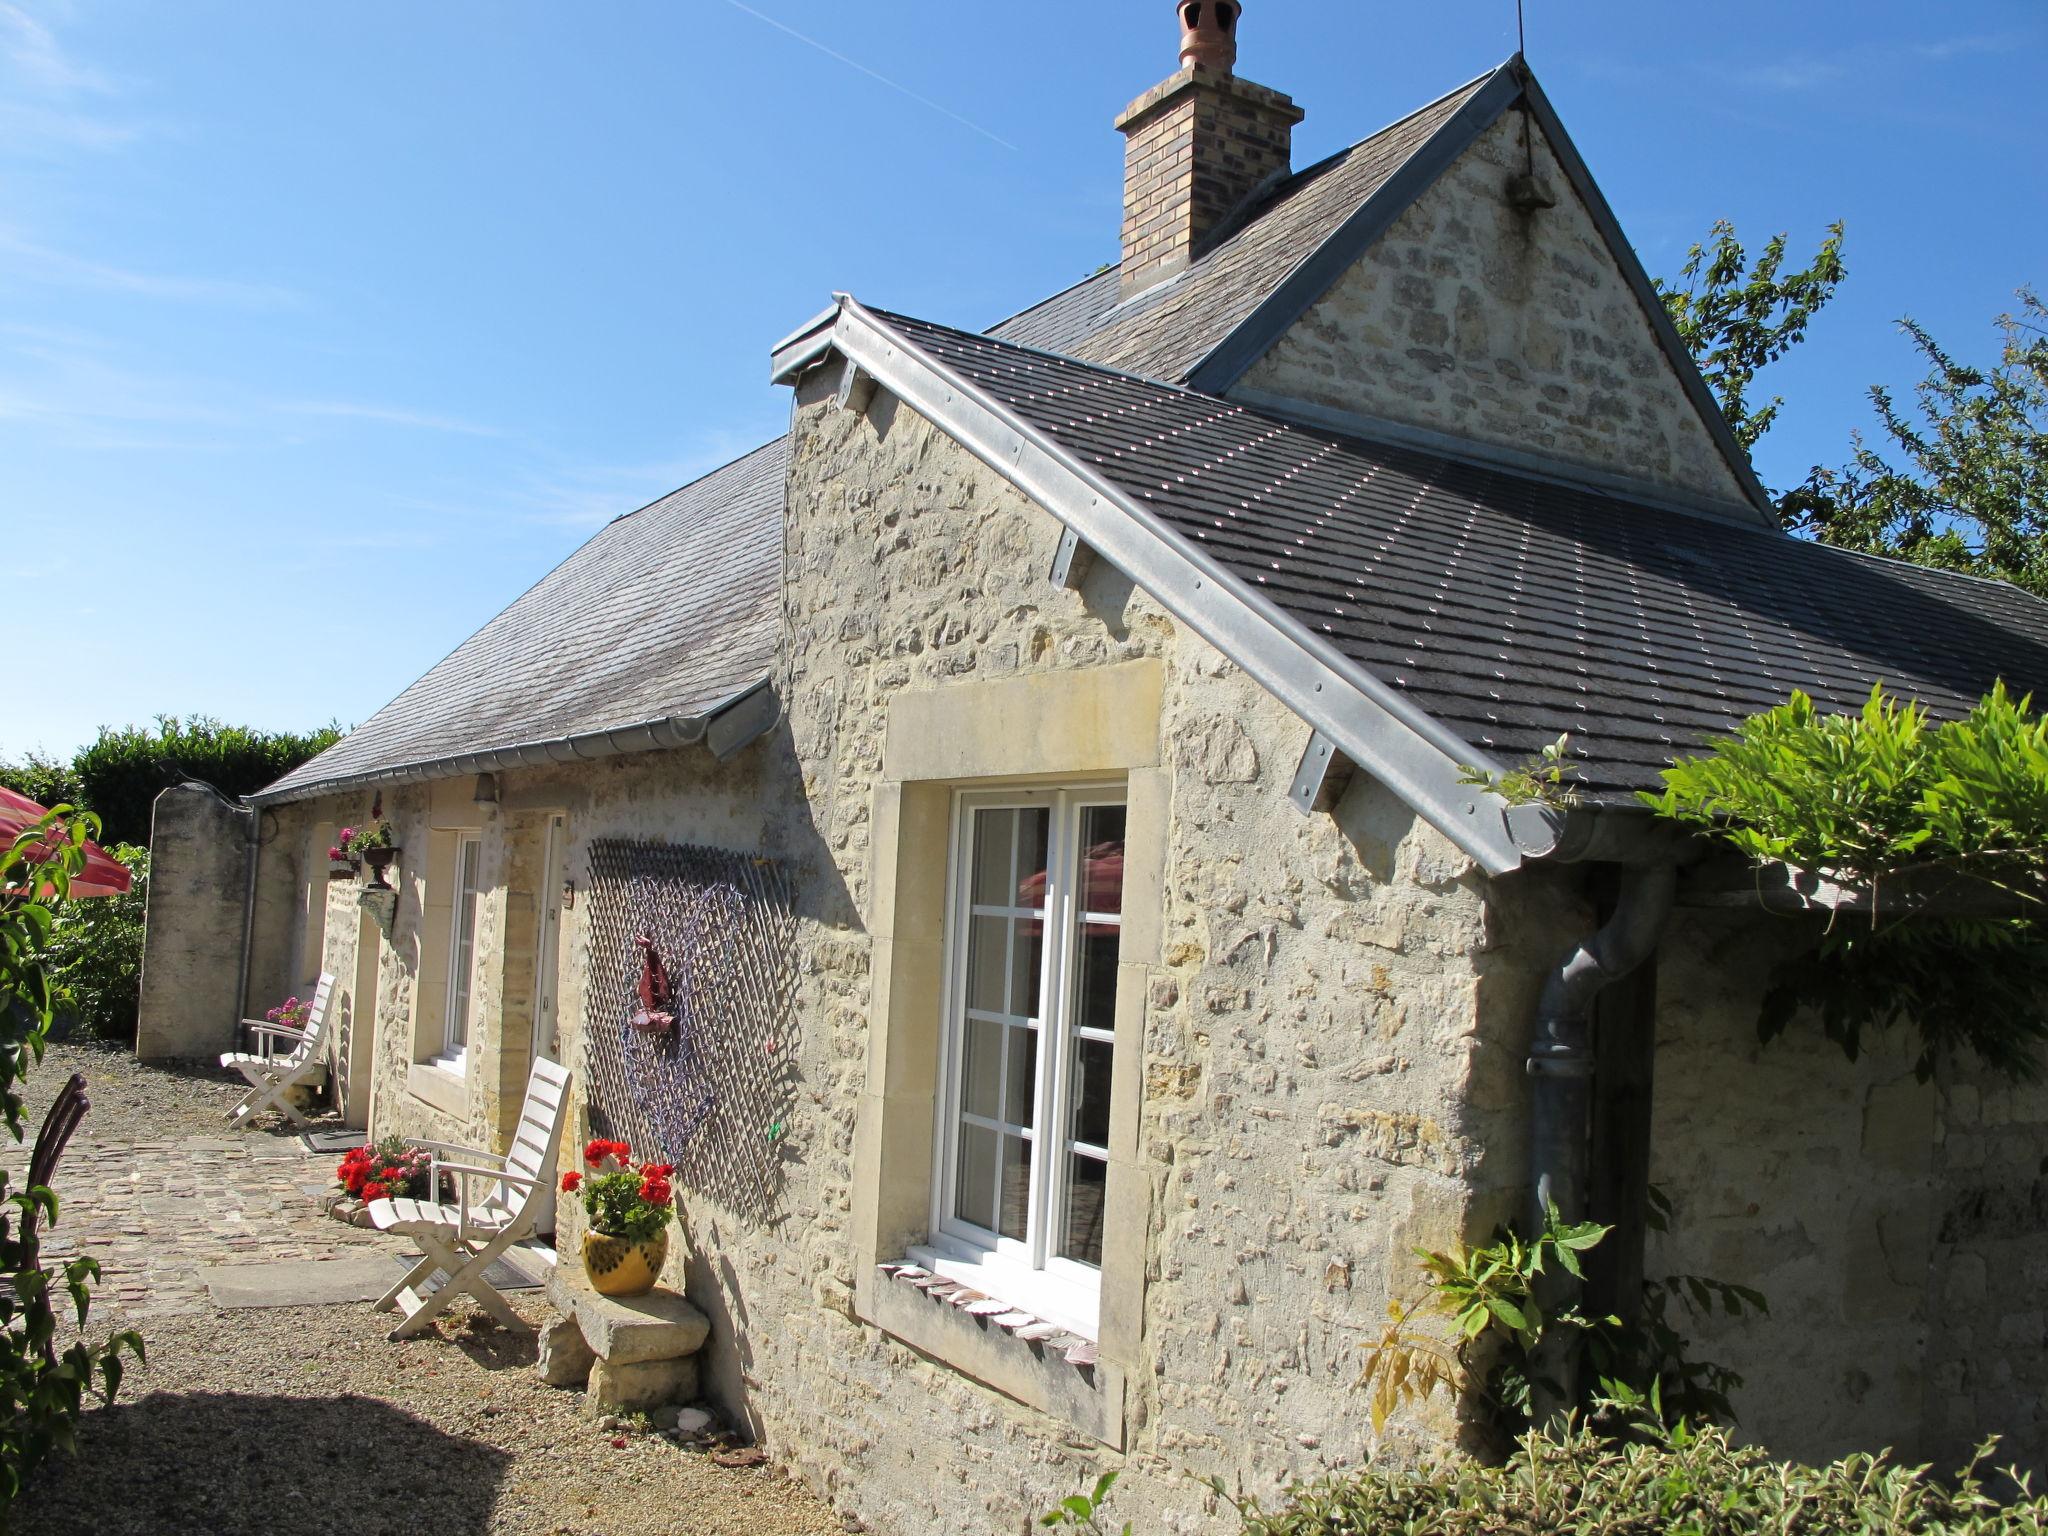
pixel 496 1201
pixel 272 1077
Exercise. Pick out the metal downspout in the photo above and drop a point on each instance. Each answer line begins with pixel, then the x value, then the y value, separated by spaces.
pixel 248 908
pixel 1561 1095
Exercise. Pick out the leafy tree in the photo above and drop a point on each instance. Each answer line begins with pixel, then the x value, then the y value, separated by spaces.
pixel 123 772
pixel 1959 478
pixel 1737 317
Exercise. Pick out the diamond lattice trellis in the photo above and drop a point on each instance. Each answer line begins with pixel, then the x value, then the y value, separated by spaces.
pixel 714 1093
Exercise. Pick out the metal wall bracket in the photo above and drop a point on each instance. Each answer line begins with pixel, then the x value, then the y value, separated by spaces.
pixel 856 388
pixel 1325 773
pixel 1071 562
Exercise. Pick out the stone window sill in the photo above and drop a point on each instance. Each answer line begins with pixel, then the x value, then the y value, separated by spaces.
pixel 1039 1364
pixel 435 1085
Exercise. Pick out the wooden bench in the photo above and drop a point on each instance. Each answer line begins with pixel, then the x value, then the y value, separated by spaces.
pixel 630 1353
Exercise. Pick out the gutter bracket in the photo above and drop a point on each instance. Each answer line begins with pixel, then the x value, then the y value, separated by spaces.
pixel 856 388
pixel 1072 561
pixel 1322 776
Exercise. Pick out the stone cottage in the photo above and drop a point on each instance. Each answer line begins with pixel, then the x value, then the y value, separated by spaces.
pixel 1047 773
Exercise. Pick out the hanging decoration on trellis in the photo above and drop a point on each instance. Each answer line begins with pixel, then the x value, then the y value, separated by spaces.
pixel 691 978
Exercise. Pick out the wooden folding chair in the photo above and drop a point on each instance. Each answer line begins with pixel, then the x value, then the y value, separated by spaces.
pixel 496 1202
pixel 271 1078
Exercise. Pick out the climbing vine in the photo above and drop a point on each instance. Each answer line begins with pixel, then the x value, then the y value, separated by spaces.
pixel 1898 806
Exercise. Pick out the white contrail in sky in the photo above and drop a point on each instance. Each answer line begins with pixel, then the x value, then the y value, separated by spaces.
pixel 926 101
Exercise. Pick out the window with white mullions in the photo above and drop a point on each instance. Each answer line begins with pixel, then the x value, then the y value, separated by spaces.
pixel 1030 1043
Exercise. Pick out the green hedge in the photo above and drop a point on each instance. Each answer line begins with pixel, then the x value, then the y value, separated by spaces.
pixel 1680 1483
pixel 123 772
pixel 120 775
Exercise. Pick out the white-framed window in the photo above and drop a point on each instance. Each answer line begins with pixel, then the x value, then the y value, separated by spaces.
pixel 461 953
pixel 1032 946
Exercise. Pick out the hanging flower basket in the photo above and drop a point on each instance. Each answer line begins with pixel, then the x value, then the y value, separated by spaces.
pixel 342 860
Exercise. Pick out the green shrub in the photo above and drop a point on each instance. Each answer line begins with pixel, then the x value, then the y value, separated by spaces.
pixel 95 953
pixel 1664 1483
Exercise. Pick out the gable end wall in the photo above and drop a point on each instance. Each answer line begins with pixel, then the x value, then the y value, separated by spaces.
pixel 1469 319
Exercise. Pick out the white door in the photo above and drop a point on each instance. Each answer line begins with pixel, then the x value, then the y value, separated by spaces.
pixel 547 1034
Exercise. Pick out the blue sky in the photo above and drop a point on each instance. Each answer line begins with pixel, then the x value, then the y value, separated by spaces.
pixel 326 329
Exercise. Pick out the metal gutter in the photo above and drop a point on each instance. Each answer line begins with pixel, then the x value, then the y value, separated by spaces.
pixel 1385 733
pixel 725 728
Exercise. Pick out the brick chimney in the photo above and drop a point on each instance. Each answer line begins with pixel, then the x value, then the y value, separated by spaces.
pixel 1196 146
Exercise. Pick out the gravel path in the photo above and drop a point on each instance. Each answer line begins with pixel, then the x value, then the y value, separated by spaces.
pixel 305 1419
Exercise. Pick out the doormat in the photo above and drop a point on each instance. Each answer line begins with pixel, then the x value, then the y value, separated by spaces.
pixel 503 1275
pixel 333 1141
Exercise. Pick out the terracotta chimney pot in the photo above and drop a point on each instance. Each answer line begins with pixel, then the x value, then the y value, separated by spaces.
pixel 1208 34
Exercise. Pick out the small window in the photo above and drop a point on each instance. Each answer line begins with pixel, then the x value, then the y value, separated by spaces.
pixel 461 951
pixel 1033 946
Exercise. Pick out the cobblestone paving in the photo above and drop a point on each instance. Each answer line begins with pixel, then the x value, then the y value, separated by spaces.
pixel 157 1209
pixel 156 1213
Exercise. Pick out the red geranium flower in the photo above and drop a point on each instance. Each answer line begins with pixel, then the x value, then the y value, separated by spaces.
pixel 571 1180
pixel 599 1150
pixel 376 1192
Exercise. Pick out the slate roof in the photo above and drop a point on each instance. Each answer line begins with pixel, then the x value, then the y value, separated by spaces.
pixel 1516 609
pixel 669 611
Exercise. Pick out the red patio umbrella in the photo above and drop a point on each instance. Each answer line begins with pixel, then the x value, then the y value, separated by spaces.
pixel 103 875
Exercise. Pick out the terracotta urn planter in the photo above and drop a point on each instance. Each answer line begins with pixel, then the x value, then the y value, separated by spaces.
pixel 618 1266
pixel 379 860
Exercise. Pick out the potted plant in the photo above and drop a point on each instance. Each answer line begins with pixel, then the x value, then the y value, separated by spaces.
pixel 342 860
pixel 377 846
pixel 629 1209
pixel 389 1170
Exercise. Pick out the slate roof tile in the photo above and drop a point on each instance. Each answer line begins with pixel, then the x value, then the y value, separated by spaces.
pixel 667 611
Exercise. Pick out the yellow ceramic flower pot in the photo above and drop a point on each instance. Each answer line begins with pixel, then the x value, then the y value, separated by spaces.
pixel 618 1266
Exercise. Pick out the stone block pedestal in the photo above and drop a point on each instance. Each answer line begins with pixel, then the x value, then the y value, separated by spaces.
pixel 629 1353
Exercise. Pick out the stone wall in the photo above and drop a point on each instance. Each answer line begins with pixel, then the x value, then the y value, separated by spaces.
pixel 192 945
pixel 1896 1228
pixel 398 982
pixel 1517 330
